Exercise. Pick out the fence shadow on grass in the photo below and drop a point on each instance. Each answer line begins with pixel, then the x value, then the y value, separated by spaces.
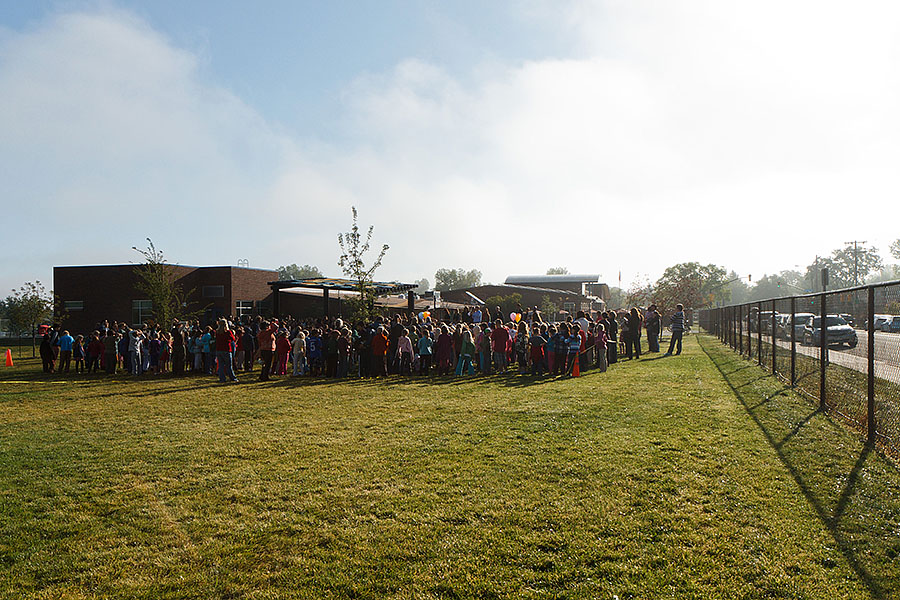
pixel 508 379
pixel 833 520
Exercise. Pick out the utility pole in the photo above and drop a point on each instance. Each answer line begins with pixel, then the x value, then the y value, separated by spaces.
pixel 856 259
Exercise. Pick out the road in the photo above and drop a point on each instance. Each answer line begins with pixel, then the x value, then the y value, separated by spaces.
pixel 887 353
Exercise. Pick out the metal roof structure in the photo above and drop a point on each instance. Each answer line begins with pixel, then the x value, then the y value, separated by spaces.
pixel 567 278
pixel 381 288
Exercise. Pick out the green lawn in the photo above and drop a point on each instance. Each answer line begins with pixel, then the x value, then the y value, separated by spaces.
pixel 696 476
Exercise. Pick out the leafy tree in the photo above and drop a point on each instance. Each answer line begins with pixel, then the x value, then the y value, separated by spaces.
pixel 454 279
pixel 693 285
pixel 27 307
pixel 851 265
pixel 353 264
pixel 557 271
pixel 548 308
pixel 887 273
pixel 895 248
pixel 292 271
pixel 846 266
pixel 786 283
pixel 507 304
pixel 640 293
pixel 422 286
pixel 740 291
pixel 158 281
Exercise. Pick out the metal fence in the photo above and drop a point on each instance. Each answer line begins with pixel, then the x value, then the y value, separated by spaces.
pixel 840 348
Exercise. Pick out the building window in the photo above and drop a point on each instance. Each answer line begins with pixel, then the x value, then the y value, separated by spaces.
pixel 243 307
pixel 141 311
pixel 569 307
pixel 73 305
pixel 213 291
pixel 264 307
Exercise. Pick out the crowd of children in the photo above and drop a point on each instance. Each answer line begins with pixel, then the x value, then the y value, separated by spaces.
pixel 403 345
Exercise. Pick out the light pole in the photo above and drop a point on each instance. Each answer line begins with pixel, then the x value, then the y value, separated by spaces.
pixel 856 259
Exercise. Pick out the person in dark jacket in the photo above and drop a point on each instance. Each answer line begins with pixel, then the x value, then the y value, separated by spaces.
pixel 178 349
pixel 47 359
pixel 633 337
pixel 612 333
pixel 652 324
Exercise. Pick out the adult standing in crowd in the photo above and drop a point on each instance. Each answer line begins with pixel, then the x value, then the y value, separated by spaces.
pixel 612 333
pixel 677 324
pixel 225 345
pixel 652 324
pixel 66 342
pixel 266 340
pixel 178 351
pixel 633 337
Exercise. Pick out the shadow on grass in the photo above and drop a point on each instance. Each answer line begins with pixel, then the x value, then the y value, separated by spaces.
pixel 508 379
pixel 833 522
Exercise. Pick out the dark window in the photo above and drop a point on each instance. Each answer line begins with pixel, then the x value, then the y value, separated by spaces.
pixel 243 307
pixel 213 291
pixel 73 304
pixel 141 311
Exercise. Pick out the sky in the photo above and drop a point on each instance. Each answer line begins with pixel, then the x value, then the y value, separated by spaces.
pixel 510 137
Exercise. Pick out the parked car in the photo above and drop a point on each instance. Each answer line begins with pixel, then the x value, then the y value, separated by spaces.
pixel 780 331
pixel 892 325
pixel 798 324
pixel 838 332
pixel 847 317
pixel 879 320
pixel 767 321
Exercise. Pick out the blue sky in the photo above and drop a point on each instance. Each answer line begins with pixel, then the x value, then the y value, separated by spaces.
pixel 506 136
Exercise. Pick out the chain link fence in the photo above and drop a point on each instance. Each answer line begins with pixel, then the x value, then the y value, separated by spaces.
pixel 840 348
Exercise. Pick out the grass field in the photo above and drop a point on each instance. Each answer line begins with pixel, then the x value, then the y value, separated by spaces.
pixel 696 476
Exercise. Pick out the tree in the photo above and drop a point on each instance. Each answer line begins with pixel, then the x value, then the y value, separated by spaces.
pixel 507 304
pixel 454 279
pixel 557 271
pixel 548 308
pixel 640 293
pixel 693 285
pixel 786 283
pixel 292 271
pixel 740 291
pixel 158 281
pixel 851 265
pixel 352 263
pixel 895 248
pixel 27 307
pixel 846 266
pixel 422 286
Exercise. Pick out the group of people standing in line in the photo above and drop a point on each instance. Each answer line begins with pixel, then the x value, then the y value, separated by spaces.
pixel 474 342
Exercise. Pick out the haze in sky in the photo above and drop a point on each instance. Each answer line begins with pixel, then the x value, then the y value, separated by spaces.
pixel 606 137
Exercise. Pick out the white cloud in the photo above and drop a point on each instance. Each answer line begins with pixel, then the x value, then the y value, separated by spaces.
pixel 675 132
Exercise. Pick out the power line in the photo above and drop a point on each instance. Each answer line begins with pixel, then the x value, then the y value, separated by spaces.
pixel 856 259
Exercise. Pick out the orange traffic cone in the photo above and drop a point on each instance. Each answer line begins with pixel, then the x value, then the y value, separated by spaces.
pixel 9 362
pixel 576 371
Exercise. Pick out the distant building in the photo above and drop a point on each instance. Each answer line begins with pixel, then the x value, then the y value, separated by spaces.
pixel 588 286
pixel 569 292
pixel 94 293
pixel 90 294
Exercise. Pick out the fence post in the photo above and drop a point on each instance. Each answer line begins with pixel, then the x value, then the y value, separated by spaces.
pixel 774 339
pixel 870 351
pixel 749 334
pixel 759 333
pixel 793 342
pixel 740 328
pixel 823 354
pixel 728 338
